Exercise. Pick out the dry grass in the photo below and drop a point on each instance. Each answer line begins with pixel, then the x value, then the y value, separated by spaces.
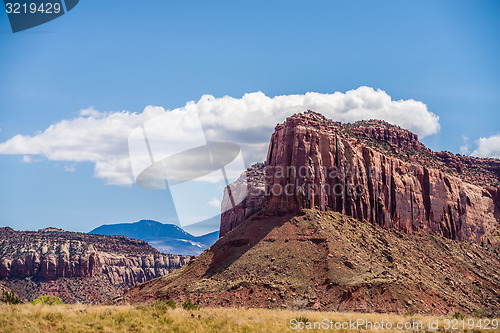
pixel 84 318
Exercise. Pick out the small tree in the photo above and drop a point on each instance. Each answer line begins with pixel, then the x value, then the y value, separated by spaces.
pixel 9 297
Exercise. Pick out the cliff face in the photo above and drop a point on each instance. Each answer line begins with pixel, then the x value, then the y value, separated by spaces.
pixel 54 256
pixel 379 173
pixel 250 185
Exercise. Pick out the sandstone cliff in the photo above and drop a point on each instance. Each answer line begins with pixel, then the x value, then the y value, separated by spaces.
pixel 378 173
pixel 53 259
pixel 250 185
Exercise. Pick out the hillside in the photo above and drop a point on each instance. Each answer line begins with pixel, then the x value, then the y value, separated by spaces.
pixel 328 261
pixel 76 266
pixel 166 238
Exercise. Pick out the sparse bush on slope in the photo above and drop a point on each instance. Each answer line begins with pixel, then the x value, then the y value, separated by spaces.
pixel 9 297
pixel 187 305
pixel 47 300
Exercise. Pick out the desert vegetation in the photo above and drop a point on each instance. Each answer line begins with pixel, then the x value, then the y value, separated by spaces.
pixel 166 316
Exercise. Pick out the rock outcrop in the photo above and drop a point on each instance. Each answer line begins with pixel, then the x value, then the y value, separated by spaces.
pixel 378 173
pixel 52 256
pixel 250 185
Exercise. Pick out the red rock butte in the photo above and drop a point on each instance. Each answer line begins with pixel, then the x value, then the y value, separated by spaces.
pixel 350 217
pixel 375 172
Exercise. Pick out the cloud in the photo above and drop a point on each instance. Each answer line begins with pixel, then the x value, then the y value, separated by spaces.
pixel 30 159
pixel 256 110
pixel 102 137
pixel 70 168
pixel 115 171
pixel 214 202
pixel 488 147
pixel 249 121
pixel 97 137
pixel 465 148
pixel 92 112
pixel 27 159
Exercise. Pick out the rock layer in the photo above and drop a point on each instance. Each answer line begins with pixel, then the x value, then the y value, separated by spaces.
pixel 53 255
pixel 378 173
pixel 250 185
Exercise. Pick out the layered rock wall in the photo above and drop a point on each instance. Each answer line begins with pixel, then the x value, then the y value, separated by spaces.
pixel 51 255
pixel 380 174
pixel 248 189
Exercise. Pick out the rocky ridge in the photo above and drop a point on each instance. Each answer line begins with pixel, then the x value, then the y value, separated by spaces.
pixel 73 264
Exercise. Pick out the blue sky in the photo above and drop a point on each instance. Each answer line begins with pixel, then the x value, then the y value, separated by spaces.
pixel 127 55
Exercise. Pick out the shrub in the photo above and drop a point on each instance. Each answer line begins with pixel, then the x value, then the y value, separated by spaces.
pixel 480 313
pixel 171 303
pixel 187 305
pixel 47 300
pixel 302 319
pixel 458 315
pixel 164 304
pixel 9 297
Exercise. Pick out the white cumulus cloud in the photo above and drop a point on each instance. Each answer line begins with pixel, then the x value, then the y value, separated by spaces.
pixel 488 147
pixel 96 137
pixel 102 137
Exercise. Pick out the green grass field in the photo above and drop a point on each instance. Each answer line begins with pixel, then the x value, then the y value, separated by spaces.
pixel 162 318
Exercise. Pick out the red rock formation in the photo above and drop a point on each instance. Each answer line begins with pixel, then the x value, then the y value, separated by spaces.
pixel 250 185
pixel 379 173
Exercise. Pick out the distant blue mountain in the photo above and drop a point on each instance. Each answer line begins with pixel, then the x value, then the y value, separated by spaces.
pixel 166 238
